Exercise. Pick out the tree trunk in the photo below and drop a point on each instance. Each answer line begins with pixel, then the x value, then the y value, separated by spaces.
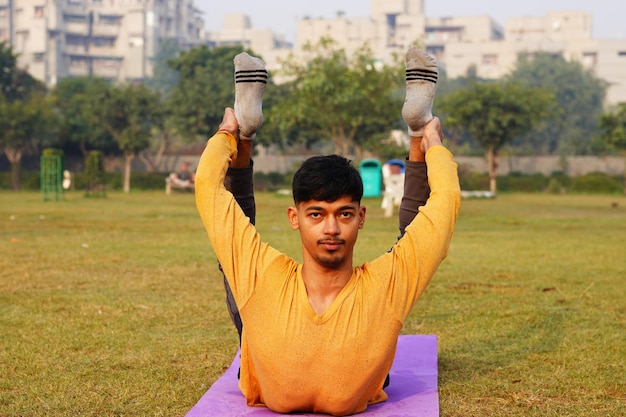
pixel 152 163
pixel 16 171
pixel 129 156
pixel 492 166
pixel 358 152
pixel 15 158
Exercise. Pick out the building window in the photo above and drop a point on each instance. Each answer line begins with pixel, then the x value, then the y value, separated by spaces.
pixel 38 57
pixel 490 59
pixel 39 11
pixel 622 54
pixel 75 18
pixel 103 42
pixel 590 59
pixel 109 20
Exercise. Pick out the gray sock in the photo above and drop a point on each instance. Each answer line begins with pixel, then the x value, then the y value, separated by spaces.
pixel 250 80
pixel 421 83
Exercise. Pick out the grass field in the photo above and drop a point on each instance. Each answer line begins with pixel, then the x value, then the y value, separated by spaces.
pixel 114 306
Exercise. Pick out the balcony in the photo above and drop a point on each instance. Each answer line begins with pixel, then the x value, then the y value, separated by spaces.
pixel 77 28
pixel 105 71
pixel 103 29
pixel 78 70
pixel 75 49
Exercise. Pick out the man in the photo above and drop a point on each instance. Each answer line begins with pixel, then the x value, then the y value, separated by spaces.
pixel 183 179
pixel 321 336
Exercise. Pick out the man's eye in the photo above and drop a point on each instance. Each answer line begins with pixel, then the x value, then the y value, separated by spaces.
pixel 315 215
pixel 346 214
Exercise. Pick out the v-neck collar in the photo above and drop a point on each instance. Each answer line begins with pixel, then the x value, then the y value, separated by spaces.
pixel 332 309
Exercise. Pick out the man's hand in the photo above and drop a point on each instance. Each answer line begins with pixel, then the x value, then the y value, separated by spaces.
pixel 229 123
pixel 433 135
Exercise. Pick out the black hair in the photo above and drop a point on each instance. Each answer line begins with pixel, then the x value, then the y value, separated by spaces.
pixel 327 178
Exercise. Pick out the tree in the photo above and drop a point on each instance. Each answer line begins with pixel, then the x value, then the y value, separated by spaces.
pixel 495 113
pixel 336 97
pixel 24 126
pixel 130 113
pixel 205 87
pixel 25 112
pixel 15 84
pixel 613 126
pixel 79 101
pixel 580 96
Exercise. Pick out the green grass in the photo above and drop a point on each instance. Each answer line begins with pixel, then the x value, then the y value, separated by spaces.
pixel 114 306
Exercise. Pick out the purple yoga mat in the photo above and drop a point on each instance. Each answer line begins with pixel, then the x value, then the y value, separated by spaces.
pixel 412 391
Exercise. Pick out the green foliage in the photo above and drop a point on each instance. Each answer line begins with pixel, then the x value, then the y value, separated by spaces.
pixel 205 87
pixel 271 181
pixel 613 125
pixel 596 183
pixel 523 183
pixel 79 102
pixel 580 96
pixel 130 113
pixel 494 113
pixel 15 83
pixel 334 97
pixel 473 181
pixel 95 184
pixel 25 126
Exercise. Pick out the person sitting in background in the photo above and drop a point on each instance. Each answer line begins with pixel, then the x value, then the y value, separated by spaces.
pixel 184 179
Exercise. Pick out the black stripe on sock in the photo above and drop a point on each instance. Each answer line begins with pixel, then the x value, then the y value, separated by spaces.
pixel 251 76
pixel 264 81
pixel 421 75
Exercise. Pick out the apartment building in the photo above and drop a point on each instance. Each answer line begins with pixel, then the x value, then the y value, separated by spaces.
pixel 462 42
pixel 238 30
pixel 113 39
pixel 391 28
pixel 565 33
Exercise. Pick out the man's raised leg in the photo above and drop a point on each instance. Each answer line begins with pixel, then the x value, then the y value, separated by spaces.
pixel 421 84
pixel 250 81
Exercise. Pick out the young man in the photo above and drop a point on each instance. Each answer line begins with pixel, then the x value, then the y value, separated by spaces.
pixel 321 336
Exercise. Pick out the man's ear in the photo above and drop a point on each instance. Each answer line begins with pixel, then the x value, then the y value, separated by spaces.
pixel 362 210
pixel 292 216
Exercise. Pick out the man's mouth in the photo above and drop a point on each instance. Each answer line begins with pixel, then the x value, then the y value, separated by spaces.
pixel 331 244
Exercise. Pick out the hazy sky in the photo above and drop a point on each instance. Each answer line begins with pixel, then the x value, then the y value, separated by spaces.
pixel 609 16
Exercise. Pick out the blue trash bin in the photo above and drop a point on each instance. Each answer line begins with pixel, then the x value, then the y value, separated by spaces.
pixel 372 176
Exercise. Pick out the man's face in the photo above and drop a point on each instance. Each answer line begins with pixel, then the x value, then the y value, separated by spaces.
pixel 328 230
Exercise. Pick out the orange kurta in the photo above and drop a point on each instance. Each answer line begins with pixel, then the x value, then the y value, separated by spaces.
pixel 291 358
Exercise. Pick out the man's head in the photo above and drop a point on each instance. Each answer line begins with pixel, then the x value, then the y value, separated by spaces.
pixel 327 193
pixel 327 178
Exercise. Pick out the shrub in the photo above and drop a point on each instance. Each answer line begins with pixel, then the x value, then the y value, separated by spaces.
pixel 517 182
pixel 596 183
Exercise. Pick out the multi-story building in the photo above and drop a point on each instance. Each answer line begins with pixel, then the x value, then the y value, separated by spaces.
pixel 113 39
pixel 459 43
pixel 391 28
pixel 566 33
pixel 238 30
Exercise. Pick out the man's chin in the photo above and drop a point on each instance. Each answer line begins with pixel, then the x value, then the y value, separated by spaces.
pixel 330 262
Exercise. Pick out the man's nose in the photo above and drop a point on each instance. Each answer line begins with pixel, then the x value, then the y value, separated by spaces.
pixel 331 226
